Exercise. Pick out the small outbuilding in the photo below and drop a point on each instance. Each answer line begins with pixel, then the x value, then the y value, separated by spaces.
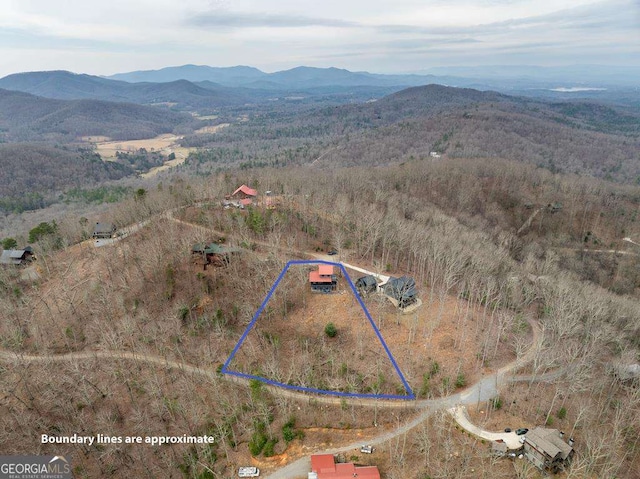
pixel 323 280
pixel 17 257
pixel 104 230
pixel 366 284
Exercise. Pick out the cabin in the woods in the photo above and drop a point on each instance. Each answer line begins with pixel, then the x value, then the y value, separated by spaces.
pixel 242 197
pixel 212 253
pixel 323 280
pixel 17 257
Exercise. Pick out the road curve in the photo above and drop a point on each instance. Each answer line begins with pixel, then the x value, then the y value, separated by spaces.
pixel 483 390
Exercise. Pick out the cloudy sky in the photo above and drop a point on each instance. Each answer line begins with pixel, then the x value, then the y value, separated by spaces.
pixel 110 36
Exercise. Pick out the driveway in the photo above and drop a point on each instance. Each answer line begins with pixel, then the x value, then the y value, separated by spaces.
pixel 511 439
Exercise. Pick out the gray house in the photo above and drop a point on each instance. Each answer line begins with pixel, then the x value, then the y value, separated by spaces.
pixel 17 257
pixel 366 284
pixel 547 450
pixel 403 290
pixel 104 230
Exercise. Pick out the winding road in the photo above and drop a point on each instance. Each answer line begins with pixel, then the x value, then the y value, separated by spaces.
pixel 481 391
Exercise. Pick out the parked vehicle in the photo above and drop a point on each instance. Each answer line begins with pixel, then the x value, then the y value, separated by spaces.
pixel 507 429
pixel 333 252
pixel 366 449
pixel 521 431
pixel 248 472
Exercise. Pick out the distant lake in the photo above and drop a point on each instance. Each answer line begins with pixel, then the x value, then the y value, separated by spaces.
pixel 574 89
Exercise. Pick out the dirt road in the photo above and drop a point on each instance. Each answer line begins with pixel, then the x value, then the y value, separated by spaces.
pixel 483 390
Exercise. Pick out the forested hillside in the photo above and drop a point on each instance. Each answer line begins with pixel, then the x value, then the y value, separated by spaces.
pixel 574 137
pixel 203 95
pixel 24 117
pixel 32 176
pixel 62 85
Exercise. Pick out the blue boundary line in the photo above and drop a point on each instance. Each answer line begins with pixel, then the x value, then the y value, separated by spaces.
pixel 225 367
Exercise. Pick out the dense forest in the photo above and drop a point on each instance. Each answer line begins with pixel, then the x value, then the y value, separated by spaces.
pixel 33 176
pixel 572 137
pixel 581 138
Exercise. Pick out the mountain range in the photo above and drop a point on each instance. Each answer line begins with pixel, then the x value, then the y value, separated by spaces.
pixel 63 85
pixel 206 89
pixel 296 78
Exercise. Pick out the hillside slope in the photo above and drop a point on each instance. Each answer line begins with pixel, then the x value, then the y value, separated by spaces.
pixel 578 137
pixel 25 117
pixel 63 85
pixel 32 176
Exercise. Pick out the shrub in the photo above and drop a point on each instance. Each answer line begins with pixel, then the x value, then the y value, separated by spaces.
pixel 256 389
pixel 258 440
pixel 424 389
pixel 497 403
pixel 331 330
pixel 183 313
pixel 461 381
pixel 445 382
pixel 288 431
pixel 268 450
pixel 9 243
pixel 562 413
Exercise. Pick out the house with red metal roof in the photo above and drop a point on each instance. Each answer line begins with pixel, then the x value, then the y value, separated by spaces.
pixel 244 192
pixel 323 280
pixel 325 467
pixel 241 198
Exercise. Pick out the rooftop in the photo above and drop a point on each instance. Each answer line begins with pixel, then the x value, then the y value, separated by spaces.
pixel 103 228
pixel 316 277
pixel 548 441
pixel 326 468
pixel 325 269
pixel 246 190
pixel 12 256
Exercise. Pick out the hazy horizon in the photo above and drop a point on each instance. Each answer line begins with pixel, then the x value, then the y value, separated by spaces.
pixel 404 37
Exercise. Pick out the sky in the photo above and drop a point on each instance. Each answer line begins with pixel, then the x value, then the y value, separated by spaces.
pixel 112 36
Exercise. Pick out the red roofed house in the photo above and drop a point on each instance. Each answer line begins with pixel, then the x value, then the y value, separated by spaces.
pixel 241 198
pixel 325 467
pixel 323 280
pixel 244 192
